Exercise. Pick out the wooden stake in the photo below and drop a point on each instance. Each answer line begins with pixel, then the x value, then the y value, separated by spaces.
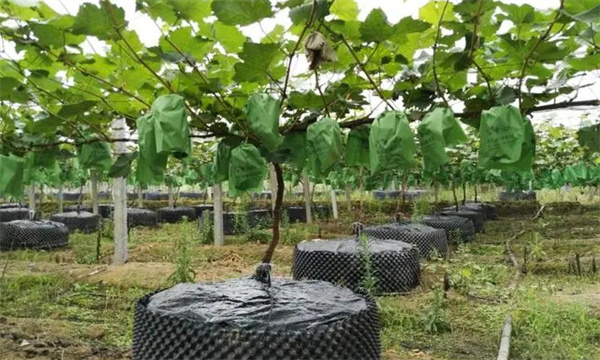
pixel 505 339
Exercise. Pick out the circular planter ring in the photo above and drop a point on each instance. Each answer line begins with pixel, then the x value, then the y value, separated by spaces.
pixel 517 196
pixel 478 218
pixel 83 221
pixel 260 218
pixel 192 195
pixel 156 196
pixel 458 229
pixel 141 217
pixel 427 239
pixel 291 320
pixel 379 194
pixel 10 206
pixel 395 263
pixel 82 208
pixel 105 210
pixel 29 234
pixel 10 214
pixel 70 196
pixel 489 210
pixel 175 215
pixel 201 208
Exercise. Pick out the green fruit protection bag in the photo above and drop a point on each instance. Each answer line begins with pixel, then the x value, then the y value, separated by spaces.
pixel 357 148
pixel 94 156
pixel 151 165
pixel 171 128
pixel 247 169
pixel 589 137
pixel 294 147
pixel 325 146
pixel 507 140
pixel 391 143
pixel 438 130
pixel 206 174
pixel 11 176
pixel 221 164
pixel 262 112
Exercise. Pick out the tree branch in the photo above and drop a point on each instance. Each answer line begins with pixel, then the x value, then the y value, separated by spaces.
pixel 309 22
pixel 435 45
pixel 361 65
pixel 530 54
pixel 325 106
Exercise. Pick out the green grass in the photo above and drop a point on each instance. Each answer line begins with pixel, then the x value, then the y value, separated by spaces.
pixel 556 311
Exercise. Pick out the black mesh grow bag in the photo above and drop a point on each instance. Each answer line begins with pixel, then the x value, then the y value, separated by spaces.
pixel 489 210
pixel 68 196
pixel 321 212
pixel 141 217
pixel 478 218
pixel 296 214
pixel 458 229
pixel 201 208
pixel 10 205
pixel 260 218
pixel 243 319
pixel 395 263
pixel 517 195
pixel 83 221
pixel 424 237
pixel 28 234
pixel 155 196
pixel 71 208
pixel 105 210
pixel 379 195
pixel 11 214
pixel 235 222
pixel 174 215
pixel 104 195
pixel 192 195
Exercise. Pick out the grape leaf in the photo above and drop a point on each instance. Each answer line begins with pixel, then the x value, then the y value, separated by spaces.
pixel 236 12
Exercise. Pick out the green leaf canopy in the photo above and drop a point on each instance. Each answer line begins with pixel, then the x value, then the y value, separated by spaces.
pixel 11 176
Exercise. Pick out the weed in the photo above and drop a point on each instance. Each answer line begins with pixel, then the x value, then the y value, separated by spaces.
pixel 420 208
pixel 206 229
pixel 369 281
pixel 434 318
pixel 182 259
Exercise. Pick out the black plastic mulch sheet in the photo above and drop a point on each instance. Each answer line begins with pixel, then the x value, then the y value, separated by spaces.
pixel 477 217
pixel 458 229
pixel 83 221
pixel 395 264
pixel 13 213
pixel 245 319
pixel 490 210
pixel 10 205
pixel 175 214
pixel 517 196
pixel 29 234
pixel 141 217
pixel 429 240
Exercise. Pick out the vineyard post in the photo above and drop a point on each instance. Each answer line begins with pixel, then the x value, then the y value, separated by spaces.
pixel 120 197
pixel 218 213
